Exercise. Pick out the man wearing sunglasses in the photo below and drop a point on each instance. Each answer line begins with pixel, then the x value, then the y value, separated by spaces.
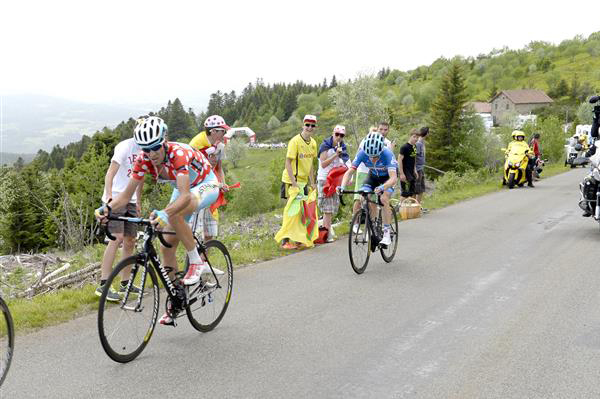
pixel 298 172
pixel 332 154
pixel 195 187
pixel 211 143
pixel 212 136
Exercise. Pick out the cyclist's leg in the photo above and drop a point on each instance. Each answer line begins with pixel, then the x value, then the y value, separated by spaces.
pixel 369 185
pixel 360 179
pixel 203 195
pixel 387 213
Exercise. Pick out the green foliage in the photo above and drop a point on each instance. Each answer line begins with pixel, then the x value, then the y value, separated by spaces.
pixel 252 199
pixel 273 123
pixel 552 138
pixel 236 151
pixel 447 143
pixel 585 113
pixel 182 125
pixel 358 106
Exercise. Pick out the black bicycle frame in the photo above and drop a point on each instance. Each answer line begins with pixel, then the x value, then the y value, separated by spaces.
pixel 365 208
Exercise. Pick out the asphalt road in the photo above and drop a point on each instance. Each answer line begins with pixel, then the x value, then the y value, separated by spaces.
pixel 497 297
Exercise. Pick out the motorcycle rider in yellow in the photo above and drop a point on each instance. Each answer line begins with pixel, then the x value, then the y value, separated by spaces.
pixel 519 143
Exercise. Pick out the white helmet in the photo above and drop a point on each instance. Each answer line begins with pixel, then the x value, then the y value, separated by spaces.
pixel 150 131
pixel 214 121
pixel 373 145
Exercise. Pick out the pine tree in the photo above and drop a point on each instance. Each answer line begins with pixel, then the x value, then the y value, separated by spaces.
pixel 446 111
pixel 333 82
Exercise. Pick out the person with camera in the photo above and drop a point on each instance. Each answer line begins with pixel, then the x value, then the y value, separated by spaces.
pixel 332 154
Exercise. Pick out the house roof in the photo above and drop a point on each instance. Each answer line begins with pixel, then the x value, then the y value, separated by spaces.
pixel 481 107
pixel 526 96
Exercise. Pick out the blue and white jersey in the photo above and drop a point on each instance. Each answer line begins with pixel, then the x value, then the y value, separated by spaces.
pixel 381 168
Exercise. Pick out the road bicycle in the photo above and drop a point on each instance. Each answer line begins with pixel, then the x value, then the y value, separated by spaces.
pixel 125 328
pixel 7 339
pixel 366 232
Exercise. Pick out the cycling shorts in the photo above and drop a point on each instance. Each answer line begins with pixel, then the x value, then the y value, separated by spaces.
pixel 206 193
pixel 372 182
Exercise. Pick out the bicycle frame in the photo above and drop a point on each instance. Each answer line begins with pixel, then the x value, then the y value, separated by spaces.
pixel 365 208
pixel 149 254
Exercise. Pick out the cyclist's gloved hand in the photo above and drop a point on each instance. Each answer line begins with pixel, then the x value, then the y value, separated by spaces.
pixel 159 217
pixel 339 189
pixel 101 213
pixel 379 189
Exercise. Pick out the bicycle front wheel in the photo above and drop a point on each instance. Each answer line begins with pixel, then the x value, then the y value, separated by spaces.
pixel 359 242
pixel 389 251
pixel 7 340
pixel 208 300
pixel 126 326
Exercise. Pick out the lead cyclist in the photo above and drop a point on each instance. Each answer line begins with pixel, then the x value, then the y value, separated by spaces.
pixel 195 187
pixel 382 176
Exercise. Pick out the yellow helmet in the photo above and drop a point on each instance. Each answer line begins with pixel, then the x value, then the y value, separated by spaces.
pixel 517 133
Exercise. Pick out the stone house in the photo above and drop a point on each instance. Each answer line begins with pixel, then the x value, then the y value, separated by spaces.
pixel 521 102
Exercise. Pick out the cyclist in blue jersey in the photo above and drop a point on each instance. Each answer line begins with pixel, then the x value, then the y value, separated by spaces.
pixel 382 175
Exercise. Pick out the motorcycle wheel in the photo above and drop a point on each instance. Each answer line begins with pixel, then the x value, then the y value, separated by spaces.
pixel 511 180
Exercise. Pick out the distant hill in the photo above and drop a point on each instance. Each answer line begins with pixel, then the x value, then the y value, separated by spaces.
pixel 8 158
pixel 33 122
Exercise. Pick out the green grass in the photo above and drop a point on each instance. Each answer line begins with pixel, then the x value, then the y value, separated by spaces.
pixel 440 200
pixel 66 304
pixel 52 309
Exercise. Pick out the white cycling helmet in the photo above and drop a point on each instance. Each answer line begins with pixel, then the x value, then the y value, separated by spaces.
pixel 373 145
pixel 214 121
pixel 150 131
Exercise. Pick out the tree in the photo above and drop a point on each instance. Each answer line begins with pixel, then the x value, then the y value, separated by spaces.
pixel 448 138
pixel 357 104
pixel 236 151
pixel 560 90
pixel 333 82
pixel 273 123
pixel 585 112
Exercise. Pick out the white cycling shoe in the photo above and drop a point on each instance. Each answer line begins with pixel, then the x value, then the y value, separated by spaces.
pixel 387 239
pixel 196 270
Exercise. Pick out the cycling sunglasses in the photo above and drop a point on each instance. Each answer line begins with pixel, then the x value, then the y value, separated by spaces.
pixel 154 148
pixel 339 134
pixel 310 125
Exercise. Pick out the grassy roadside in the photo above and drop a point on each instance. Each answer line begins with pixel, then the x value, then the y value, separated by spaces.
pixel 246 247
pixel 440 200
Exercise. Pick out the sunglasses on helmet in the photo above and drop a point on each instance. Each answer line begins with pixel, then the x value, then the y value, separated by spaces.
pixel 154 148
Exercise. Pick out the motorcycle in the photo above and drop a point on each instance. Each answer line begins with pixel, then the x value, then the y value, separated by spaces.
pixel 590 190
pixel 576 153
pixel 515 167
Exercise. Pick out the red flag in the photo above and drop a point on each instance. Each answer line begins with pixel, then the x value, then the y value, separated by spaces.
pixel 221 200
pixel 334 179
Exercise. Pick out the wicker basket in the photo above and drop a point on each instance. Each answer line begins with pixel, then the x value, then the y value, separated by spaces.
pixel 409 209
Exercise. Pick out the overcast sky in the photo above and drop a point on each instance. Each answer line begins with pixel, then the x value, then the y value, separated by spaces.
pixel 152 51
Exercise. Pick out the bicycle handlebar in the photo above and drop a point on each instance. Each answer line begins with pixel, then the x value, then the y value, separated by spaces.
pixel 361 192
pixel 142 221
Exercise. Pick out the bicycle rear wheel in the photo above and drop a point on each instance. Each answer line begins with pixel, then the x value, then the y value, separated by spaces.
pixel 208 300
pixel 359 242
pixel 7 340
pixel 126 327
pixel 389 252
